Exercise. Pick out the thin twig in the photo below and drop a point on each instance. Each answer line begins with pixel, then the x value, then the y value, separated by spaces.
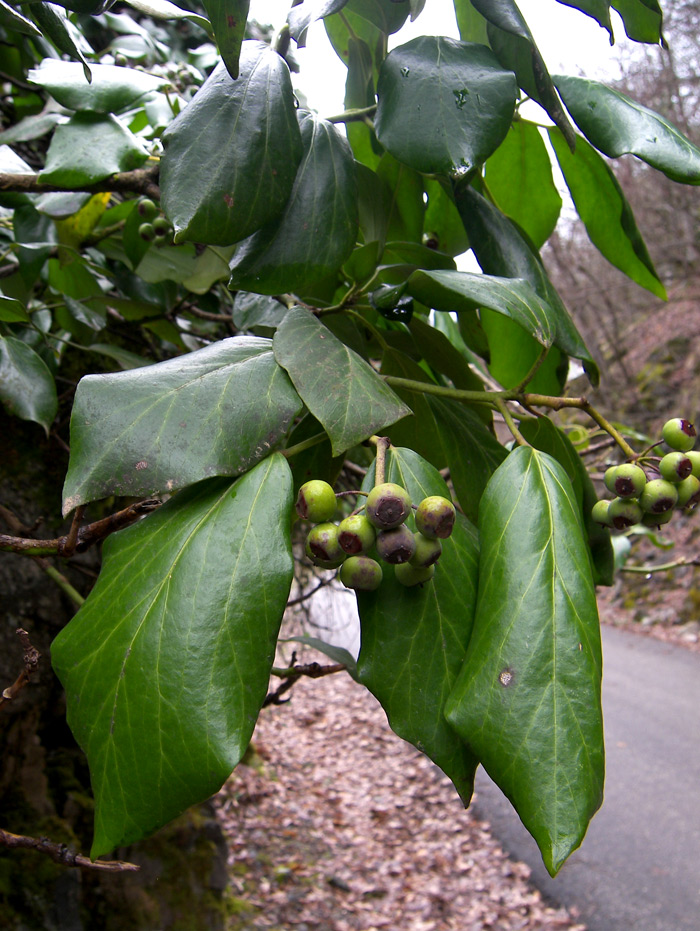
pixel 62 854
pixel 292 674
pixel 31 661
pixel 138 181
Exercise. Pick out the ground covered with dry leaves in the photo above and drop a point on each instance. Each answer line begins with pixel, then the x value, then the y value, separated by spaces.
pixel 339 825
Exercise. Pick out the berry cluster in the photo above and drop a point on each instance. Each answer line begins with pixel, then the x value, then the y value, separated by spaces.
pixel 380 530
pixel 155 228
pixel 641 500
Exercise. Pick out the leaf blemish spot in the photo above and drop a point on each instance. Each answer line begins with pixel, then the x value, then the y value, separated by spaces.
pixel 228 200
pixel 231 22
pixel 505 677
pixel 141 465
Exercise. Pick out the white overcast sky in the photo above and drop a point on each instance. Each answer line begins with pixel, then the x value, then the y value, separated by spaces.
pixel 569 42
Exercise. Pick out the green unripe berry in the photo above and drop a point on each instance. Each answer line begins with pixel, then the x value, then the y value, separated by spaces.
pixel 147 232
pixel 624 513
pixel 316 501
pixel 322 546
pixel 361 573
pixel 435 517
pixel 397 545
pixel 658 496
pixel 427 551
pixel 409 575
pixel 688 492
pixel 388 505
pixel 356 534
pixel 675 466
pixel 162 226
pixel 625 481
pixel 679 434
pixel 656 520
pixel 694 457
pixel 600 514
pixel 147 209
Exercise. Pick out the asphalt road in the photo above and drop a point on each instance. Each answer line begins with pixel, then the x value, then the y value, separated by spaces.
pixel 638 868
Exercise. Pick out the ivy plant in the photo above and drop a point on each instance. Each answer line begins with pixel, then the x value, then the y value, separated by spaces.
pixel 255 295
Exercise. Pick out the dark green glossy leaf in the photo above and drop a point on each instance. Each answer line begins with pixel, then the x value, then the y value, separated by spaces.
pixel 228 19
pixel 617 125
pixel 471 24
pixel 89 148
pixel 443 105
pixel 339 388
pixel 12 310
pixel 404 205
pixel 543 435
pixel 27 388
pixel 300 17
pixel 414 639
pixel 51 19
pixel 527 700
pixel 343 30
pixel 510 38
pixel 232 155
pixel 512 297
pixel 387 15
pixel 212 412
pixel 606 213
pixel 13 19
pixel 163 9
pixel 442 224
pixel 643 19
pixel 599 10
pixel 318 227
pixel 359 93
pixel 501 249
pixel 111 90
pixel 257 310
pixel 519 178
pixel 167 663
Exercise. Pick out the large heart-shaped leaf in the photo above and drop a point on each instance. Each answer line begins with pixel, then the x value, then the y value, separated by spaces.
pixel 414 639
pixel 111 90
pixel 27 388
pixel 228 19
pixel 527 700
pixel 519 178
pixel 318 227
pixel 443 105
pixel 617 125
pixel 89 148
pixel 339 388
pixel 212 412
pixel 167 663
pixel 643 19
pixel 606 212
pixel 502 249
pixel 232 155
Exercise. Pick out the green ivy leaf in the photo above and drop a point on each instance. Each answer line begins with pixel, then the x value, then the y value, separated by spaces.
pixel 13 19
pixel 228 19
pixel 215 411
pixel 301 16
pixel 599 10
pixel 617 125
pixel 606 213
pixel 112 89
pixel 471 24
pixel 643 19
pixel 27 388
pixel 502 249
pixel 318 228
pixel 527 700
pixel 519 178
pixel 12 310
pixel 443 105
pixel 339 388
pixel 232 155
pixel 414 639
pixel 167 663
pixel 163 9
pixel 55 25
pixel 89 148
pixel 359 93
pixel 443 223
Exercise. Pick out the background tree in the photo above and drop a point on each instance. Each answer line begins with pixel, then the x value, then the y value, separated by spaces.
pixel 284 303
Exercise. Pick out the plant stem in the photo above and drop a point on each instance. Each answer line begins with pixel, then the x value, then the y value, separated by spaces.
pixel 63 584
pixel 350 116
pixel 510 423
pixel 382 443
pixel 304 445
pixel 664 567
pixel 457 394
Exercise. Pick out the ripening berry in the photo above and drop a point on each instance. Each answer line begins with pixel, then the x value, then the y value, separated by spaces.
pixel 625 481
pixel 679 434
pixel 624 513
pixel 427 551
pixel 147 209
pixel 388 505
pixel 435 517
pixel 356 534
pixel 146 232
pixel 322 546
pixel 694 457
pixel 658 496
pixel 397 545
pixel 656 520
pixel 675 466
pixel 409 575
pixel 600 514
pixel 688 492
pixel 316 501
pixel 361 573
